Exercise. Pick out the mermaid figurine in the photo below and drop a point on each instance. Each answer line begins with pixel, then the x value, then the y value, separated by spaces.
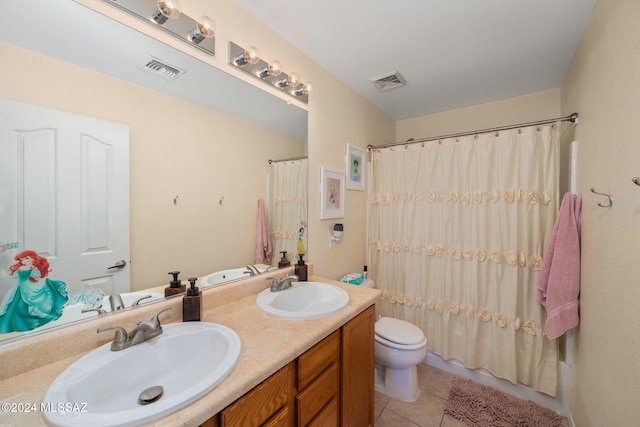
pixel 301 249
pixel 35 300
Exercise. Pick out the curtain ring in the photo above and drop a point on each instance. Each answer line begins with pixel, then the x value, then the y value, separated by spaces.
pixel 497 134
pixel 519 131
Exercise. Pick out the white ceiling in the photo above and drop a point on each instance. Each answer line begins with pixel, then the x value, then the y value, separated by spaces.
pixel 452 53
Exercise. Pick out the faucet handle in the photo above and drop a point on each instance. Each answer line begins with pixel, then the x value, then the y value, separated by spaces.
pixel 156 317
pixel 120 337
pixel 137 302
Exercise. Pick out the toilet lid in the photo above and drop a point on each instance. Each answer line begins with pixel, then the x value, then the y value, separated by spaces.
pixel 399 331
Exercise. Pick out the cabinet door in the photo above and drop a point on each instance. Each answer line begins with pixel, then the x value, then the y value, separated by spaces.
pixel 262 403
pixel 358 370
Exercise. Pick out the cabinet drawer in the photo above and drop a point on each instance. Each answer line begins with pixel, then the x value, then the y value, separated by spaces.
pixel 328 417
pixel 261 403
pixel 314 398
pixel 317 359
pixel 281 419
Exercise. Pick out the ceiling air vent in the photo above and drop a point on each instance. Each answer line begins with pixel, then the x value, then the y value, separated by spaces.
pixel 161 69
pixel 388 81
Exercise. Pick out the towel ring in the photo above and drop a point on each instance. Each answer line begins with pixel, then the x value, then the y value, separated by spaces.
pixel 603 194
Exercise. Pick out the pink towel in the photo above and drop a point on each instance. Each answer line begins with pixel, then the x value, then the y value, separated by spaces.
pixel 263 244
pixel 559 279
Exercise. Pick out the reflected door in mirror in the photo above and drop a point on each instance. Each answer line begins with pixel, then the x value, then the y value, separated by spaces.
pixel 64 193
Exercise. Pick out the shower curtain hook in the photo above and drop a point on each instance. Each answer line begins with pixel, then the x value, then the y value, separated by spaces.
pixel 603 194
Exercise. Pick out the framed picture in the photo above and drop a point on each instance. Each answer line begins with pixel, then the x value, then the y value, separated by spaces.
pixel 331 194
pixel 355 168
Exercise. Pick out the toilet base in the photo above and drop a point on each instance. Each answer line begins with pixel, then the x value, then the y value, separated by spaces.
pixel 399 383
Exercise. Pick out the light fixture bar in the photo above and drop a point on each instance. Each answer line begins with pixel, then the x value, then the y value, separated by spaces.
pixel 269 73
pixel 184 28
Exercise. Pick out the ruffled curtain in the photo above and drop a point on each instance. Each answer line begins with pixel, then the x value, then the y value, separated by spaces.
pixel 457 233
pixel 289 205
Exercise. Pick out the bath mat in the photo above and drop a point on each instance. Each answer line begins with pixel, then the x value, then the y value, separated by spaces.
pixel 482 406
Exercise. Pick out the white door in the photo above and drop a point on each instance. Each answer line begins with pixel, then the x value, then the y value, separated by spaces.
pixel 64 193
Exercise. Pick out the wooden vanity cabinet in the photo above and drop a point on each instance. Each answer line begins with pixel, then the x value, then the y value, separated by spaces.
pixel 330 385
pixel 318 383
pixel 358 370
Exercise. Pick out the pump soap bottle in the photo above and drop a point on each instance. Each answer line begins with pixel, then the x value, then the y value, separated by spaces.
pixel 191 303
pixel 301 270
pixel 284 262
pixel 175 286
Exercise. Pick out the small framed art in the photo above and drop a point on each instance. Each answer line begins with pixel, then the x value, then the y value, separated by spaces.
pixel 331 194
pixel 355 168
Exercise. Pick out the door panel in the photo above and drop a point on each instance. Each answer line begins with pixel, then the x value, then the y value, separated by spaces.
pixel 64 192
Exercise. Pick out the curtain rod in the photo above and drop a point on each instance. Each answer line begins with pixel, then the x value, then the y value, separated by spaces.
pixel 573 118
pixel 286 160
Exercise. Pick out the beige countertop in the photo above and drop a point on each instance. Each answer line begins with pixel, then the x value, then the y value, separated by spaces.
pixel 30 365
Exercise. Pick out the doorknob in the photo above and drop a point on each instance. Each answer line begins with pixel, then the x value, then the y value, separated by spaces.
pixel 119 264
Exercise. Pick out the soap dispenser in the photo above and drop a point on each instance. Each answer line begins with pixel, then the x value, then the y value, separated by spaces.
pixel 191 303
pixel 284 262
pixel 175 286
pixel 301 270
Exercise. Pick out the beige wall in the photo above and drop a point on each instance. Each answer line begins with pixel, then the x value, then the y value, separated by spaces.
pixel 522 109
pixel 603 85
pixel 199 156
pixel 337 116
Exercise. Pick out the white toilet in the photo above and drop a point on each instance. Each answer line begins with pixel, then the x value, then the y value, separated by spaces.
pixel 399 347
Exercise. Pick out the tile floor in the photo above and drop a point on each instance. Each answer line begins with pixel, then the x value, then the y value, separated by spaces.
pixel 427 410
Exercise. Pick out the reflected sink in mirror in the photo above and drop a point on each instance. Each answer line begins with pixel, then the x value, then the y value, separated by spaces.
pixel 129 299
pixel 75 312
pixel 187 360
pixel 304 300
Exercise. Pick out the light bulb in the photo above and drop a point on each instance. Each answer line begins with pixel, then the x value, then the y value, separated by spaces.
pixel 166 9
pixel 250 55
pixel 302 89
pixel 205 29
pixel 291 80
pixel 274 68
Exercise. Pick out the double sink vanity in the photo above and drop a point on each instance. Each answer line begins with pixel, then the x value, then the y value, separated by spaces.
pixel 296 357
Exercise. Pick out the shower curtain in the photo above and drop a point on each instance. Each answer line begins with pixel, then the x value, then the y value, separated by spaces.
pixel 457 232
pixel 289 206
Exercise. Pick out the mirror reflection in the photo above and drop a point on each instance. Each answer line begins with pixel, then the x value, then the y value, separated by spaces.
pixel 198 152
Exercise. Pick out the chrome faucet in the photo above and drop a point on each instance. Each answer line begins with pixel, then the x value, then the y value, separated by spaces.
pixel 284 283
pixel 98 310
pixel 116 302
pixel 252 270
pixel 137 302
pixel 141 333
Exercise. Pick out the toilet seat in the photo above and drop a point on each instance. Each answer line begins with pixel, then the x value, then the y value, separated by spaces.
pixel 399 334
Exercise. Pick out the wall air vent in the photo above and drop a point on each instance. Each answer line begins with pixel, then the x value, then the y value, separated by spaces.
pixel 161 69
pixel 388 81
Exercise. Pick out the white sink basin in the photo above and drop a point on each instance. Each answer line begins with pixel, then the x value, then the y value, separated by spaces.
pixel 304 300
pixel 102 388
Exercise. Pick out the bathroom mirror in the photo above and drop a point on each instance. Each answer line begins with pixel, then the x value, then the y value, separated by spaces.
pixel 199 144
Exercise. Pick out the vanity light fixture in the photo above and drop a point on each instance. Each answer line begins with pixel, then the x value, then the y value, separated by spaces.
pixel 273 68
pixel 291 80
pixel 165 9
pixel 204 29
pixel 167 16
pixel 250 55
pixel 303 89
pixel 249 61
